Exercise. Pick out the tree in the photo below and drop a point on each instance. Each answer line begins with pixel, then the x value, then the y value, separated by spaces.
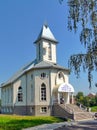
pixel 80 97
pixel 86 101
pixel 93 102
pixel 84 13
pixel 96 99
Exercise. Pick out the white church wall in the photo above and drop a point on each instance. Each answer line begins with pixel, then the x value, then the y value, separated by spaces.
pixel 43 45
pixel 46 52
pixel 3 96
pixel 30 88
pixel 38 83
pixel 53 77
pixel 55 81
pixel 53 53
pixel 7 95
pixel 39 52
pixel 20 82
pixel 63 78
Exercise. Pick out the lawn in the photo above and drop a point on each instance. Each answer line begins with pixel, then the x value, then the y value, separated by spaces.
pixel 94 109
pixel 13 122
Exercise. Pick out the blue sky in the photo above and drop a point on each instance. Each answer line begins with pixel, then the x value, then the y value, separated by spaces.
pixel 20 24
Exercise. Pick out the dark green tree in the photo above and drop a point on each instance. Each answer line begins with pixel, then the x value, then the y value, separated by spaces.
pixel 93 102
pixel 80 97
pixel 96 99
pixel 86 101
pixel 84 13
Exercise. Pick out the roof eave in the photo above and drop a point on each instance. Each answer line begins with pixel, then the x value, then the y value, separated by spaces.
pixel 45 38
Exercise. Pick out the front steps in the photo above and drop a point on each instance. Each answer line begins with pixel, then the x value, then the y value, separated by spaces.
pixel 71 111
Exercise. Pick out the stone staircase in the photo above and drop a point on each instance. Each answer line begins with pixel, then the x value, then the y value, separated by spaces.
pixel 75 108
pixel 79 113
pixel 71 111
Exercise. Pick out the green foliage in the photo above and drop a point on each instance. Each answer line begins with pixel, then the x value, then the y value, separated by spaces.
pixel 10 122
pixel 85 100
pixel 84 13
pixel 80 97
pixel 92 102
pixel 94 109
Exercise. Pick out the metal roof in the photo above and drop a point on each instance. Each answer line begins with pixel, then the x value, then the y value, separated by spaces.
pixel 46 33
pixel 19 73
pixel 33 65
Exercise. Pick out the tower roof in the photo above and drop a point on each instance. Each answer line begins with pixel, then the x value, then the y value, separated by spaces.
pixel 46 33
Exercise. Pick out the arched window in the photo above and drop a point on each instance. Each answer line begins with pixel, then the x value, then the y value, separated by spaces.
pixel 60 75
pixel 20 94
pixel 43 92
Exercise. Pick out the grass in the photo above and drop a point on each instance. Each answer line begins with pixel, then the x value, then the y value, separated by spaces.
pixel 13 122
pixel 94 109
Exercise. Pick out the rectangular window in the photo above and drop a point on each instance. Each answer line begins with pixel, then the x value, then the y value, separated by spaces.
pixel 20 94
pixel 20 97
pixel 43 92
pixel 43 109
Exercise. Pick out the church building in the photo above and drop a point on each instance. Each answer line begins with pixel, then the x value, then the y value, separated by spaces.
pixel 40 84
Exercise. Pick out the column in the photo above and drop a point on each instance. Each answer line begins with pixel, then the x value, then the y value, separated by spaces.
pixel 68 98
pixel 72 101
pixel 59 98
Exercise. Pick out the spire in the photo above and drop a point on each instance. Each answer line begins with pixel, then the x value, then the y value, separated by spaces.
pixel 46 33
pixel 45 24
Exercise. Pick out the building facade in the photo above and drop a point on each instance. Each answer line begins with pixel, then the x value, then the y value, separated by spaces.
pixel 35 88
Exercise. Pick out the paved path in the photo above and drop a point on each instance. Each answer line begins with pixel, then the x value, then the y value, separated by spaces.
pixel 81 125
pixel 51 126
pixel 84 125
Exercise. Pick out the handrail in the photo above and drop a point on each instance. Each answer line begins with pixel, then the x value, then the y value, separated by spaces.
pixel 81 106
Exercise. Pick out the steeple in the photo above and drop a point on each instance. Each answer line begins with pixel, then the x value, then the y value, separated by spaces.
pixel 46 33
pixel 46 45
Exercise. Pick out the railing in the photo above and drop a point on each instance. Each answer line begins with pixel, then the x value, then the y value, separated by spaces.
pixel 81 106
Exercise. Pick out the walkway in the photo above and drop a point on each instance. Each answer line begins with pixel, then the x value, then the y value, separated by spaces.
pixel 81 125
pixel 51 126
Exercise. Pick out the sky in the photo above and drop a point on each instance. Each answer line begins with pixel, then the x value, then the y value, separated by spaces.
pixel 20 24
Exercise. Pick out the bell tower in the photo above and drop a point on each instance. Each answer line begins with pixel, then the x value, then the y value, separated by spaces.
pixel 46 45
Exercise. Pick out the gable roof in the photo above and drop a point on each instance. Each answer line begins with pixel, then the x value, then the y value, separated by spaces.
pixel 18 73
pixel 33 65
pixel 46 33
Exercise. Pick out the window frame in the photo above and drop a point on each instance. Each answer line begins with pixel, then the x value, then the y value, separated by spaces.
pixel 20 94
pixel 43 93
pixel 43 109
pixel 43 75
